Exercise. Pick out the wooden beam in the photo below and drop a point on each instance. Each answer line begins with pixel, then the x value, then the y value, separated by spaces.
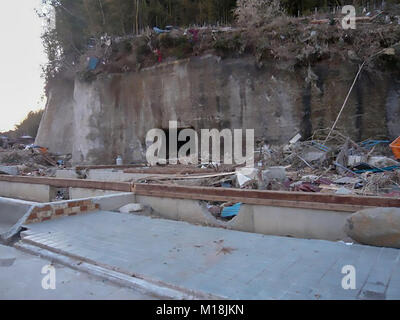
pixel 70 183
pixel 263 202
pixel 257 197
pixel 357 19
pixel 177 170
pixel 127 166
pixel 264 197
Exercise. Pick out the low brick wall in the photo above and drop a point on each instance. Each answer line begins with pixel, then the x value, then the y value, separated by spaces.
pixel 61 209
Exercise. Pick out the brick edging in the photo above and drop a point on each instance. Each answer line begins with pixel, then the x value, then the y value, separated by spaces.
pixel 56 210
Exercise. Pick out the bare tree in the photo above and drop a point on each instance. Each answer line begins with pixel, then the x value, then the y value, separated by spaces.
pixel 255 12
pixel 102 12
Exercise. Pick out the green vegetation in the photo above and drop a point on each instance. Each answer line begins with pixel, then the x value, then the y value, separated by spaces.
pixel 77 21
pixel 28 127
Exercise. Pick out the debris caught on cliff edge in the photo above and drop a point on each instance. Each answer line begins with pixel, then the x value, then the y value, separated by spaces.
pixel 159 31
pixel 92 64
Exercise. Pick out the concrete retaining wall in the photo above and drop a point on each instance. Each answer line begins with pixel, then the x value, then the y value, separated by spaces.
pixel 42 193
pixel 111 116
pixel 79 193
pixel 25 191
pixel 12 213
pixel 114 201
pixel 105 175
pixel 293 222
pixel 16 213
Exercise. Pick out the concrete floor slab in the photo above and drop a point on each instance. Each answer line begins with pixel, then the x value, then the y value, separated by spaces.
pixel 224 263
pixel 22 279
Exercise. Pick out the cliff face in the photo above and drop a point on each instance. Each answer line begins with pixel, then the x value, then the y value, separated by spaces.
pixel 57 127
pixel 111 116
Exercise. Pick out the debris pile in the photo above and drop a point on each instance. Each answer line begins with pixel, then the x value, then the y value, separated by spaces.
pixel 32 161
pixel 336 165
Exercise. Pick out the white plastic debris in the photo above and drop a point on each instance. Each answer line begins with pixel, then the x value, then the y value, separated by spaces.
pixel 314 156
pixel 132 207
pixel 344 191
pixel 346 243
pixel 309 178
pixel 246 175
pixel 355 160
pixel 295 139
pixel 381 162
pixel 347 180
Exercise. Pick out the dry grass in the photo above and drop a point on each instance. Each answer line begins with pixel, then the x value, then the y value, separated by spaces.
pixel 253 13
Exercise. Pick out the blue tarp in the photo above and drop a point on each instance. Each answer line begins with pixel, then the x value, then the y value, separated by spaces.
pixel 93 62
pixel 372 143
pixel 375 170
pixel 158 30
pixel 231 211
pixel 320 146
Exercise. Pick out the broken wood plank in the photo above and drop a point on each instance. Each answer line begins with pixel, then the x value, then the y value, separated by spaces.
pixel 188 177
pixel 357 19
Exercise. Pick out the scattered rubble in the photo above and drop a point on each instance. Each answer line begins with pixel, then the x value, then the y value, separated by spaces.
pixel 328 162
pixel 10 170
pixel 335 166
pixel 246 176
pixel 31 162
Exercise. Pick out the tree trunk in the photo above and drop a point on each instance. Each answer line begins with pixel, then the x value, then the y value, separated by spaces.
pixel 137 16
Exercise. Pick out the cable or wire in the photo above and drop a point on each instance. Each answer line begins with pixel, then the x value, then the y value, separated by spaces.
pixel 352 86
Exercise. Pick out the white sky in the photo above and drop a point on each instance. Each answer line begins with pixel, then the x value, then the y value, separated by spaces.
pixel 21 54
